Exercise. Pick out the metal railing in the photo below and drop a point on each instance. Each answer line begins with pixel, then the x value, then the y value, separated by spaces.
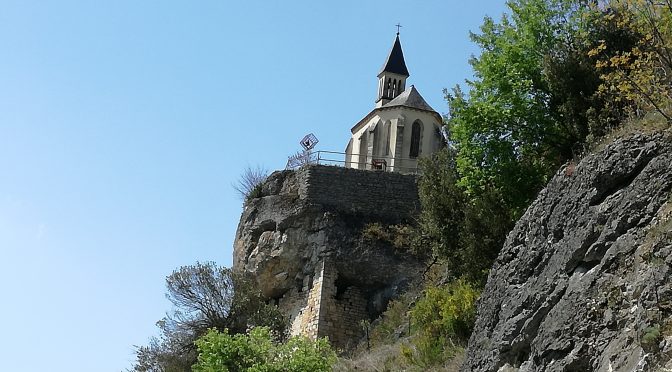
pixel 334 158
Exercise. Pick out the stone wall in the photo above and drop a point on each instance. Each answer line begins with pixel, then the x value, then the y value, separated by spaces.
pixel 302 307
pixel 386 195
pixel 323 310
pixel 343 315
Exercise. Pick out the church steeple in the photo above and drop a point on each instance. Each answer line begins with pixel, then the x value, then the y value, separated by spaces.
pixel 392 77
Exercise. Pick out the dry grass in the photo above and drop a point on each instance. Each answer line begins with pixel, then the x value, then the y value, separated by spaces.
pixel 392 349
pixel 661 228
pixel 650 123
pixel 389 358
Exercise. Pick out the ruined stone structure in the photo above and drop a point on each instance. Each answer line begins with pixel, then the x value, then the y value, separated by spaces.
pixel 302 240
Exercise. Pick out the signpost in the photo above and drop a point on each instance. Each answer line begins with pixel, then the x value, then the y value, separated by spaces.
pixel 308 142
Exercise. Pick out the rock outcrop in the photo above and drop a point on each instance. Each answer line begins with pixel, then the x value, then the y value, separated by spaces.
pixel 302 241
pixel 583 280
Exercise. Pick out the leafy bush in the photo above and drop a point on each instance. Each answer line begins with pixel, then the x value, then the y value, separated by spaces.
pixel 441 321
pixel 466 232
pixel 205 296
pixel 256 351
pixel 447 311
pixel 638 72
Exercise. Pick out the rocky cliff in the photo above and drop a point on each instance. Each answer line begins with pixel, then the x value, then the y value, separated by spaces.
pixel 302 241
pixel 583 280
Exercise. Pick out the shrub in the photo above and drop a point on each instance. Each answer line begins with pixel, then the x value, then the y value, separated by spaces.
pixel 442 319
pixel 256 351
pixel 447 311
pixel 392 320
pixel 650 337
pixel 205 296
pixel 249 184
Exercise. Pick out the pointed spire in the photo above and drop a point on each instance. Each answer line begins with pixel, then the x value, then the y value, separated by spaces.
pixel 395 61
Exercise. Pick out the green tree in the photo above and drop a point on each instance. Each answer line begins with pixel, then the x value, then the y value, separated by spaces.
pixel 486 223
pixel 443 204
pixel 204 296
pixel 466 233
pixel 507 135
pixel 639 73
pixel 534 103
pixel 256 351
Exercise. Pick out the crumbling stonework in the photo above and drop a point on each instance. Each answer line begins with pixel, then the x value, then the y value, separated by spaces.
pixel 302 241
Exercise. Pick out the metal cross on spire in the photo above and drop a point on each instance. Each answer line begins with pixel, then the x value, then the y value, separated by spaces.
pixel 398 27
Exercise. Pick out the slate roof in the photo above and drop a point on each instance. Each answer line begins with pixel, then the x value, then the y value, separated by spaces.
pixel 395 60
pixel 410 98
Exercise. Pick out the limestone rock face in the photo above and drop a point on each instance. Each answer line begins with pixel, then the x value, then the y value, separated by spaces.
pixel 583 280
pixel 302 241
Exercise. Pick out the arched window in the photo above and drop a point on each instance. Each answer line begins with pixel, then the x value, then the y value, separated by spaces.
pixel 389 88
pixel 376 138
pixel 416 131
pixel 394 88
pixel 388 127
pixel 363 149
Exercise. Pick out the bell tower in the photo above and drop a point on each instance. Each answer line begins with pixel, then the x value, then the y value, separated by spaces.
pixel 392 77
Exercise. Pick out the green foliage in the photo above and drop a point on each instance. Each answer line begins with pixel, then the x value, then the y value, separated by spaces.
pixel 204 296
pixel 487 222
pixel 447 311
pixel 466 233
pixel 533 105
pixel 256 192
pixel 249 309
pixel 534 102
pixel 394 318
pixel 441 320
pixel 256 351
pixel 505 134
pixel 583 113
pixel 650 337
pixel 443 204
pixel 638 73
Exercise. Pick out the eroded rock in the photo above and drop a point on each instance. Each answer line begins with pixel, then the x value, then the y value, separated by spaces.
pixel 584 278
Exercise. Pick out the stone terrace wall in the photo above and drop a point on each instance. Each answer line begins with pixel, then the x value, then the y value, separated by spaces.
pixel 387 195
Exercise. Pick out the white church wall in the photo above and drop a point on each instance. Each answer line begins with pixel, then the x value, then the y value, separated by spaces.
pixel 370 140
pixel 427 144
pixel 360 146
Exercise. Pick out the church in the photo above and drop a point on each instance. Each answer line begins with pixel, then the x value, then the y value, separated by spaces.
pixel 401 128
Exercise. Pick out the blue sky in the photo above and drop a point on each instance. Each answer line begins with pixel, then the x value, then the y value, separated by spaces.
pixel 123 125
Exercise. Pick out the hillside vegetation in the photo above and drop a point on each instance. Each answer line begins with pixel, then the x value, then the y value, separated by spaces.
pixel 554 80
